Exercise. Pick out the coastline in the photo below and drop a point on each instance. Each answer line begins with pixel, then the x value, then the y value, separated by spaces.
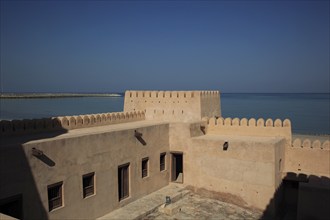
pixel 55 95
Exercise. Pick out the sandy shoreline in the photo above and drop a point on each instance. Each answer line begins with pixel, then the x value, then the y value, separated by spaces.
pixel 55 95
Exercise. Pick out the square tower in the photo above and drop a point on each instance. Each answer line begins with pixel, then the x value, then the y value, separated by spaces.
pixel 174 105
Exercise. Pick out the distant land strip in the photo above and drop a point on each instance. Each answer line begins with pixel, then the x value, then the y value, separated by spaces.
pixel 55 95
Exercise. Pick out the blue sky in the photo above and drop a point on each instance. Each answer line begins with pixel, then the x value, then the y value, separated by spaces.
pixel 112 46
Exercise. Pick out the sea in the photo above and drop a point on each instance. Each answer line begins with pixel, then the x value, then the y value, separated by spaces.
pixel 308 112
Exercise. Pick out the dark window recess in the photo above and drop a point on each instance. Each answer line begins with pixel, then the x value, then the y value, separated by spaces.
pixel 55 198
pixel 145 167
pixel 88 185
pixel 162 161
pixel 123 181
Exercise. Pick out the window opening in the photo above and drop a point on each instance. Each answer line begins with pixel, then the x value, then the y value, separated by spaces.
pixel 88 185
pixel 55 196
pixel 145 162
pixel 162 161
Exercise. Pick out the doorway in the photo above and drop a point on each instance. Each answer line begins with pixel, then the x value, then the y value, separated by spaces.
pixel 177 167
pixel 123 181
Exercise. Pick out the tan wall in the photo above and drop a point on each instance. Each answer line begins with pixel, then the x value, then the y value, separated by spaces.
pixel 305 156
pixel 76 154
pixel 28 126
pixel 249 173
pixel 251 127
pixel 174 105
pixel 246 171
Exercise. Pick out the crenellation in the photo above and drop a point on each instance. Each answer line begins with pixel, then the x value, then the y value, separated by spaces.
pixel 92 120
pixel 64 122
pixel 18 126
pixel 86 120
pixel 73 121
pixel 326 145
pixel 29 124
pixel 316 144
pixel 307 143
pixel 219 121
pixel 286 123
pixel 227 122
pixel 79 121
pixel 252 122
pixel 297 143
pixel 244 122
pixel 212 122
pixel 67 122
pixel 235 122
pixel 269 122
pixel 40 124
pixel 278 123
pixel 244 126
pixel 260 122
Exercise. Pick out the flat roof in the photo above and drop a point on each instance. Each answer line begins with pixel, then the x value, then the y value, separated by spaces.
pixel 216 137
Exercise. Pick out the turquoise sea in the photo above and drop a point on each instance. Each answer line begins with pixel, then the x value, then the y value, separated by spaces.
pixel 309 113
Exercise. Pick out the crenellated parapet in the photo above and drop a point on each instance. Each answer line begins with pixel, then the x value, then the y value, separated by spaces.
pixel 249 127
pixel 309 156
pixel 27 126
pixel 174 105
pixel 311 144
pixel 169 94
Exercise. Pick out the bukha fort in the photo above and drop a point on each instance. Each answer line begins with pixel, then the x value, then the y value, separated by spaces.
pixel 87 166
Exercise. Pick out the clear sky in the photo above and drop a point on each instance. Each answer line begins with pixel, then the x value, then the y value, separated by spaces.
pixel 112 46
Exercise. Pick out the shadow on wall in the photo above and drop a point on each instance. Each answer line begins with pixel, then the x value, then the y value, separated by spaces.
pixel 300 196
pixel 19 194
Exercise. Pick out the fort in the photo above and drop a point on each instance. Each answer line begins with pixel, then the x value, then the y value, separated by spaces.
pixel 86 166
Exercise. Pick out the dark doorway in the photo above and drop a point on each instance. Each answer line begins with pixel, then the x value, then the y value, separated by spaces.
pixel 12 206
pixel 177 168
pixel 123 181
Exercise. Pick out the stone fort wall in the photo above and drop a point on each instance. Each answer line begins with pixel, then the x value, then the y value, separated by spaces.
pixel 308 157
pixel 249 127
pixel 260 153
pixel 27 126
pixel 174 105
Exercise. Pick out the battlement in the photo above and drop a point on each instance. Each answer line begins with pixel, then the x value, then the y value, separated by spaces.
pixel 174 105
pixel 307 143
pixel 249 127
pixel 308 156
pixel 27 126
pixel 169 94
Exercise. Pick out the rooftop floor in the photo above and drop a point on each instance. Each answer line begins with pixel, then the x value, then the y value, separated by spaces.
pixel 185 205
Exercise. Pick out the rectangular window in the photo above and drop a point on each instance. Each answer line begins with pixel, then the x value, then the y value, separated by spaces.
pixel 162 161
pixel 55 196
pixel 88 185
pixel 145 167
pixel 123 181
